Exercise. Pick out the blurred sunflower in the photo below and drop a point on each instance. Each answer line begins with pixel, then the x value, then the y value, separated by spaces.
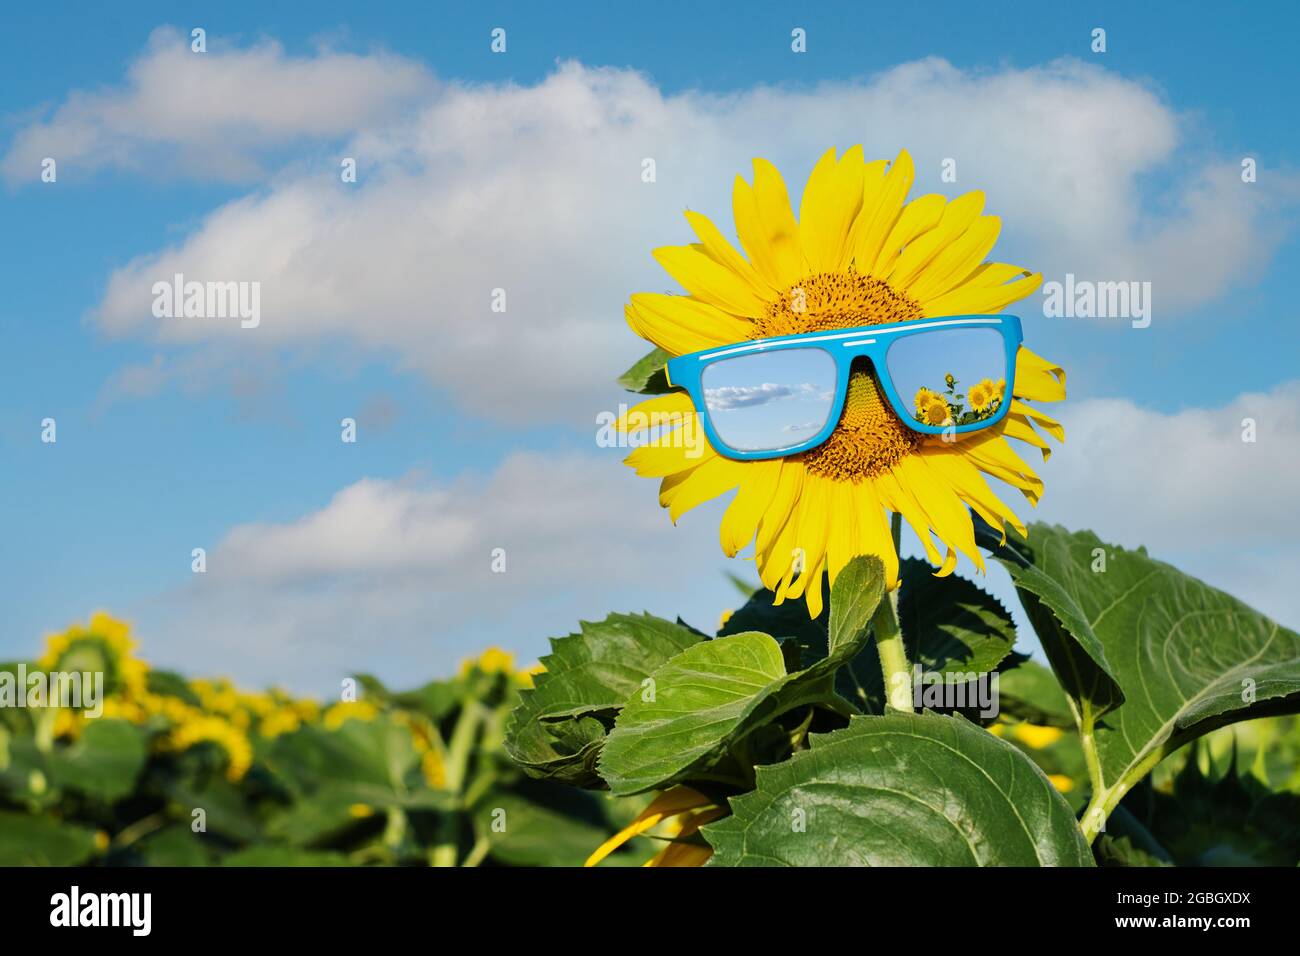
pixel 207 728
pixel 339 714
pixel 859 254
pixel 104 646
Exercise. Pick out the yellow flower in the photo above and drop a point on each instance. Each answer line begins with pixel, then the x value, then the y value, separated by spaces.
pixel 1037 737
pixel 689 808
pixel 524 678
pixel 202 728
pixel 982 394
pixel 923 398
pixel 104 645
pixel 360 811
pixel 282 720
pixel 492 661
pixel 936 412
pixel 1061 782
pixel 69 723
pixel 858 255
pixel 347 710
pixel 433 768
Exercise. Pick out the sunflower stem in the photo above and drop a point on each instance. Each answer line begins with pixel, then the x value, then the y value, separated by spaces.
pixel 894 665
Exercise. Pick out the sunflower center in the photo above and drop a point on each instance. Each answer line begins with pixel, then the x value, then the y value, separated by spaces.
pixel 870 439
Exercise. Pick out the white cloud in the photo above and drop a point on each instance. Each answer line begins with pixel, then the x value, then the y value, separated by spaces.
pixel 537 190
pixel 396 576
pixel 1189 488
pixel 214 114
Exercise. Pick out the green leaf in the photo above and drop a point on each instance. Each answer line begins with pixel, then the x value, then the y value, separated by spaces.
pixel 560 725
pixel 901 790
pixel 32 840
pixel 317 818
pixel 709 697
pixel 1223 819
pixel 524 832
pixel 647 376
pixel 950 624
pixel 104 763
pixel 363 761
pixel 1047 579
pixel 1184 657
pixel 174 845
pixel 1032 693
pixel 283 856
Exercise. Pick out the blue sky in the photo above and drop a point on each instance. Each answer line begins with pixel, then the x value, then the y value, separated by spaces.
pixel 1115 166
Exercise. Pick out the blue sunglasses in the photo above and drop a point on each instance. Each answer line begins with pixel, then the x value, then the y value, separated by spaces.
pixel 768 398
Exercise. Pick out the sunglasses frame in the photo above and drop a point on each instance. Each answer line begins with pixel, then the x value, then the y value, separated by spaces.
pixel 843 346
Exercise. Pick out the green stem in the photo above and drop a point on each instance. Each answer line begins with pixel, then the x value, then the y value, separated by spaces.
pixel 477 852
pixel 894 665
pixel 459 750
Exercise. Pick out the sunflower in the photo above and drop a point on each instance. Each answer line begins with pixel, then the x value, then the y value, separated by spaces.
pixel 923 398
pixel 859 254
pixel 104 646
pixel 936 411
pixel 209 728
pixel 982 394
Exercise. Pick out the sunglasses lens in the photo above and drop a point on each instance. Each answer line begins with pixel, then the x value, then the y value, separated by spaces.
pixel 765 401
pixel 950 376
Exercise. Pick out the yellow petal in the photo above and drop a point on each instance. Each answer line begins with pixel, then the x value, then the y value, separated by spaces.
pixel 668 804
pixel 713 478
pixel 974 299
pixel 680 325
pixel 830 204
pixel 1038 379
pixel 780 512
pixel 779 226
pixel 814 530
pixel 948 516
pixel 844 534
pixel 966 480
pixel 895 496
pixel 741 519
pixel 919 216
pixel 663 410
pixel 874 534
pixel 882 203
pixel 1018 427
pixel 954 264
pixel 660 460
pixel 1046 422
pixel 708 280
pixel 716 245
pixel 958 216
pixel 992 454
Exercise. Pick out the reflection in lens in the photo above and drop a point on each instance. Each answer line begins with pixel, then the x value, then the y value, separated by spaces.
pixel 950 376
pixel 765 401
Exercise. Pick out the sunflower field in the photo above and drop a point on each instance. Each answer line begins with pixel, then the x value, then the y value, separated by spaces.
pixel 178 772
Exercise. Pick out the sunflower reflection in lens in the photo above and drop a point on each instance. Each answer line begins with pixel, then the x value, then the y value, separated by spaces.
pixel 951 375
